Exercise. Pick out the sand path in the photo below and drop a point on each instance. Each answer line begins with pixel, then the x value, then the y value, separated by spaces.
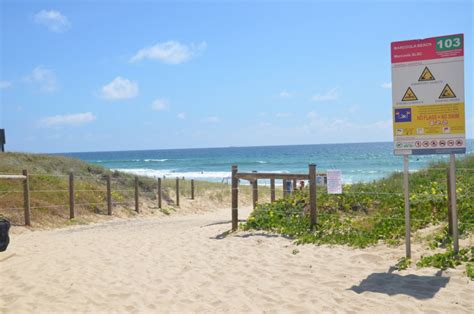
pixel 184 264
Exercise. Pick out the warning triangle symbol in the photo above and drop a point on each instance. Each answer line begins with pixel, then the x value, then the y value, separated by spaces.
pixel 409 95
pixel 447 92
pixel 426 75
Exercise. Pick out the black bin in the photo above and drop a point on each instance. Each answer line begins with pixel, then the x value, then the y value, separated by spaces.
pixel 4 238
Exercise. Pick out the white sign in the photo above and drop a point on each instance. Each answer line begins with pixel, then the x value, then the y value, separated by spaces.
pixel 334 181
pixel 428 96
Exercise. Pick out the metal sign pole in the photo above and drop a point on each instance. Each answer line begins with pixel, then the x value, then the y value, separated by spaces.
pixel 407 206
pixel 454 210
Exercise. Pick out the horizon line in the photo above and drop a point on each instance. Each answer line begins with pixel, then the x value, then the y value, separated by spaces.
pixel 214 147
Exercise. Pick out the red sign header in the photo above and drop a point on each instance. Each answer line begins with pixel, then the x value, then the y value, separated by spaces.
pixel 430 48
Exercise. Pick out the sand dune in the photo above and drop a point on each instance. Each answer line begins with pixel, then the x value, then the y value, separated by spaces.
pixel 186 264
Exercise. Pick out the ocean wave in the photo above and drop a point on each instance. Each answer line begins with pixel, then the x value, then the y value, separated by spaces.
pixel 155 160
pixel 115 161
pixel 172 173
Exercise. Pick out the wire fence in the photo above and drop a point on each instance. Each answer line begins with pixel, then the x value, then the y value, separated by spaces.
pixel 127 191
pixel 80 191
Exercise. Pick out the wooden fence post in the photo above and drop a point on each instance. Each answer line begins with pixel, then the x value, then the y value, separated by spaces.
pixel 137 208
pixel 235 199
pixel 312 195
pixel 450 207
pixel 272 190
pixel 26 198
pixel 285 191
pixel 109 196
pixel 71 196
pixel 254 191
pixel 159 193
pixel 177 191
pixel 294 186
pixel 192 189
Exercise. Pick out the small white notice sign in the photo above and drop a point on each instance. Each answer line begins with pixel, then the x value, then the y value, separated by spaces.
pixel 334 181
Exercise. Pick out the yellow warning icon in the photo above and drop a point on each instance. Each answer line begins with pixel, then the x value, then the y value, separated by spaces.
pixel 426 75
pixel 409 95
pixel 447 92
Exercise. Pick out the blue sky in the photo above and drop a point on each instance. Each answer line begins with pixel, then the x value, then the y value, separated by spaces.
pixel 121 75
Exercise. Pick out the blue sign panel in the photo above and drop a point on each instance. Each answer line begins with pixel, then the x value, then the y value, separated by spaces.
pixel 403 115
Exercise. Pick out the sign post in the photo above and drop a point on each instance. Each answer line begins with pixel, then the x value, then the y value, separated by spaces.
pixel 2 140
pixel 428 103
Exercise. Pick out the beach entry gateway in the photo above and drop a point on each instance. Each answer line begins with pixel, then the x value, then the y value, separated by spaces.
pixel 428 109
pixel 254 176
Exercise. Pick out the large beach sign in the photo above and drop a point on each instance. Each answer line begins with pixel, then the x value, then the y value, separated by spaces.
pixel 428 96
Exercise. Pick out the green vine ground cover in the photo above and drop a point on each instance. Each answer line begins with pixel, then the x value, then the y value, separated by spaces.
pixel 367 213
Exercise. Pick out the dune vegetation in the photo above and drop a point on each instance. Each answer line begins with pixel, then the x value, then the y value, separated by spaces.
pixel 369 213
pixel 49 194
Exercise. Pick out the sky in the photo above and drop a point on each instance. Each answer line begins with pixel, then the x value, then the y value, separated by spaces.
pixel 132 75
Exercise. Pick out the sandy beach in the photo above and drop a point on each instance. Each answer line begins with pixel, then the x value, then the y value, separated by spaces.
pixel 185 263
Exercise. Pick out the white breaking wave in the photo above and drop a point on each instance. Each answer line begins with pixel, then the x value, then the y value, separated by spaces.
pixel 216 175
pixel 213 176
pixel 155 160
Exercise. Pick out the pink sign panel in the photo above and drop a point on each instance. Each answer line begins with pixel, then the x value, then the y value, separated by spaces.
pixel 427 49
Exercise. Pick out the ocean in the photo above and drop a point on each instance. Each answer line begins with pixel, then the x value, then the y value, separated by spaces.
pixel 359 162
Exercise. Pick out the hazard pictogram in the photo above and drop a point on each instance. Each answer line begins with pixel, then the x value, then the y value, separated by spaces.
pixel 447 92
pixel 409 95
pixel 426 75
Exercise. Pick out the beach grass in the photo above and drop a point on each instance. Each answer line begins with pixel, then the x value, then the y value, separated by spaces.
pixel 49 184
pixel 369 213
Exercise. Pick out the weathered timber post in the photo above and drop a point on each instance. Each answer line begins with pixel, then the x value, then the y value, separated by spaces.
pixel 235 198
pixel 450 207
pixel 137 207
pixel 159 193
pixel 26 198
pixel 109 195
pixel 71 196
pixel 406 193
pixel 272 190
pixel 312 195
pixel 285 191
pixel 192 189
pixel 177 191
pixel 254 191
pixel 454 211
pixel 294 186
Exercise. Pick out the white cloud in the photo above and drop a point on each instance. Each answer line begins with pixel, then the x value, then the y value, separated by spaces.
pixel 5 84
pixel 120 88
pixel 283 114
pixel 160 105
pixel 285 94
pixel 53 20
pixel 68 119
pixel 213 119
pixel 170 52
pixel 44 78
pixel 345 126
pixel 386 85
pixel 332 94
pixel 182 115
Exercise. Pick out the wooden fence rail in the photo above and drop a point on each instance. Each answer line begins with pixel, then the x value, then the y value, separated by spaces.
pixel 254 176
pixel 25 178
